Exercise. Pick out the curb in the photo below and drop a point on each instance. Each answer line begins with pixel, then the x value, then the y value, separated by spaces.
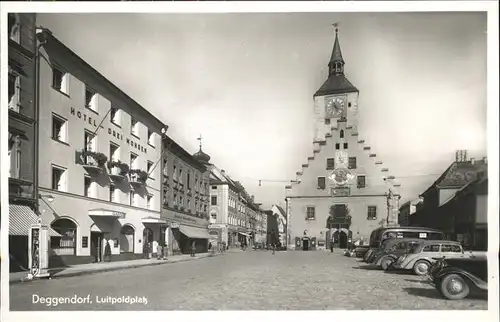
pixel 109 269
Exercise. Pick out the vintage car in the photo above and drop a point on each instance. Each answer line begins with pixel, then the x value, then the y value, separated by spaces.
pixel 393 250
pixel 420 258
pixel 361 250
pixel 375 253
pixel 455 277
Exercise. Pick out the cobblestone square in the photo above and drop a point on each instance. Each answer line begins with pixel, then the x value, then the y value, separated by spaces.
pixel 252 280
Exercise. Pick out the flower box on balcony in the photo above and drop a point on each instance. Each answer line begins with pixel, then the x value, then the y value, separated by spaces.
pixel 138 176
pixel 118 168
pixel 92 158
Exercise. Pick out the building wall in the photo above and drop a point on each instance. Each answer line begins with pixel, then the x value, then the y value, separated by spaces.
pixel 360 225
pixel 21 50
pixel 221 209
pixel 482 209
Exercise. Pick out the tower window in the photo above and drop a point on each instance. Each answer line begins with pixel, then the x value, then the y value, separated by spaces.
pixel 337 146
pixel 341 134
pixel 361 181
pixel 327 121
pixel 345 146
pixel 349 104
pixel 330 164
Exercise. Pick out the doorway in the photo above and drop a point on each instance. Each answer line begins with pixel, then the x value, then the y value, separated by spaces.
pixel 305 244
pixel 96 246
pixel 343 240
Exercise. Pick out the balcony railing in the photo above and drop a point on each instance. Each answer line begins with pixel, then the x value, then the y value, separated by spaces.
pixel 91 161
pixel 118 169
pixel 138 177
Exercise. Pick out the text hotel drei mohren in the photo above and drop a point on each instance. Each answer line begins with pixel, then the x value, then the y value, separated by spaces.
pixel 75 299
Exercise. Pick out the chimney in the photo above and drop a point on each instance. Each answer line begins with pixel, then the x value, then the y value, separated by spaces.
pixel 472 160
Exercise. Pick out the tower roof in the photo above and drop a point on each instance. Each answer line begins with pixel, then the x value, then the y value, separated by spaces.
pixel 336 83
pixel 201 156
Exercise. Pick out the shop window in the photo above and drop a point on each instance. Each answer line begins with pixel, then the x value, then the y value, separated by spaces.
pixel 66 243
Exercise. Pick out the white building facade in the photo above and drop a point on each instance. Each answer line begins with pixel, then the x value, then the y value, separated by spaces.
pixel 99 171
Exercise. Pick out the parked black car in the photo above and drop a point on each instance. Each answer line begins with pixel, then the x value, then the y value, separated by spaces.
pixel 454 278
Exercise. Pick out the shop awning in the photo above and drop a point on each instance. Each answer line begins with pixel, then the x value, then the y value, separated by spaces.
pixel 153 220
pixel 193 232
pixel 106 213
pixel 244 234
pixel 21 218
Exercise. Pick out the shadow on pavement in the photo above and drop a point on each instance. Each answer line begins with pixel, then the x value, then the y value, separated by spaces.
pixel 432 293
pixel 417 281
pixel 367 267
pixel 398 272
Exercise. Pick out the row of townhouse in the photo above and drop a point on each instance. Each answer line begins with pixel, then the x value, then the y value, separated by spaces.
pixel 91 163
pixel 235 217
pixel 456 203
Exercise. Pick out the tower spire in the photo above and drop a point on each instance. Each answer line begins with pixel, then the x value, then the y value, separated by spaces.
pixel 199 139
pixel 336 64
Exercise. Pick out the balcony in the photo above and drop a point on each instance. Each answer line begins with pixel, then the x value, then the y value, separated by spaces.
pixel 91 161
pixel 118 170
pixel 138 177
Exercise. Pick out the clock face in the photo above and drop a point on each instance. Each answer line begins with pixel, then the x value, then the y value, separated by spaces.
pixel 334 106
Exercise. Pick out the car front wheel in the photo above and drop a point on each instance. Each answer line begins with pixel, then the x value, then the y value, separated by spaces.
pixel 421 268
pixel 386 263
pixel 454 287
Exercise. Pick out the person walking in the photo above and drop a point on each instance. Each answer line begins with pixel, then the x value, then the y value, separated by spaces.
pixel 193 249
pixel 107 251
pixel 165 251
pixel 331 245
pixel 274 248
pixel 159 251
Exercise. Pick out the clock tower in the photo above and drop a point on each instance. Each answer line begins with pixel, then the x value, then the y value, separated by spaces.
pixel 337 99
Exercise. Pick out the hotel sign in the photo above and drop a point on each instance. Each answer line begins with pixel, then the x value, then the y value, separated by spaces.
pixel 117 135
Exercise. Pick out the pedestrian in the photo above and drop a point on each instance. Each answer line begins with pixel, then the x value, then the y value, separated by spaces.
pixel 159 251
pixel 274 248
pixel 193 249
pixel 165 251
pixel 331 246
pixel 107 251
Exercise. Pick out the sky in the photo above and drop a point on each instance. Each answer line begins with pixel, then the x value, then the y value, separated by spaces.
pixel 245 82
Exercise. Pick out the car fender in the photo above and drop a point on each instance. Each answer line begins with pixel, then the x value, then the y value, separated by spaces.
pixel 381 258
pixel 471 278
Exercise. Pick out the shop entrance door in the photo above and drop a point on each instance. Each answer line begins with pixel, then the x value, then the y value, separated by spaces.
pixel 96 246
pixel 305 244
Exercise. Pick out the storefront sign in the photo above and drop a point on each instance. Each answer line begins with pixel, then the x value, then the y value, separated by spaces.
pixel 117 135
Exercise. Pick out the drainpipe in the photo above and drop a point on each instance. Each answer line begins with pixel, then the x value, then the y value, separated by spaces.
pixel 36 124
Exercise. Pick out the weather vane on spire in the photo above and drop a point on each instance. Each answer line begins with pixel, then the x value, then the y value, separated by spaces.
pixel 199 139
pixel 335 25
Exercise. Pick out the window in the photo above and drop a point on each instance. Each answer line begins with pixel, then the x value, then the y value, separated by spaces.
pixel 113 152
pixel 310 214
pixel 180 176
pixel 58 178
pixel 321 182
pixel 150 168
pixel 18 164
pixel 352 163
pixel 214 201
pixel 14 28
pixel 87 190
pixel 114 116
pixel 59 128
pixel 165 197
pixel 327 121
pixel 349 104
pixel 90 99
pixel 431 248
pixel 132 198
pixel 361 181
pixel 133 159
pixel 346 145
pixel 337 146
pixel 188 181
pixel 14 92
pixel 341 134
pixel 60 80
pixel 372 213
pixel 181 201
pixel 165 167
pixel 16 171
pixel 214 187
pixel 151 138
pixel 175 199
pixel 451 248
pixel 149 202
pixel 134 125
pixel 175 173
pixel 112 192
pixel 330 164
pixel 89 141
